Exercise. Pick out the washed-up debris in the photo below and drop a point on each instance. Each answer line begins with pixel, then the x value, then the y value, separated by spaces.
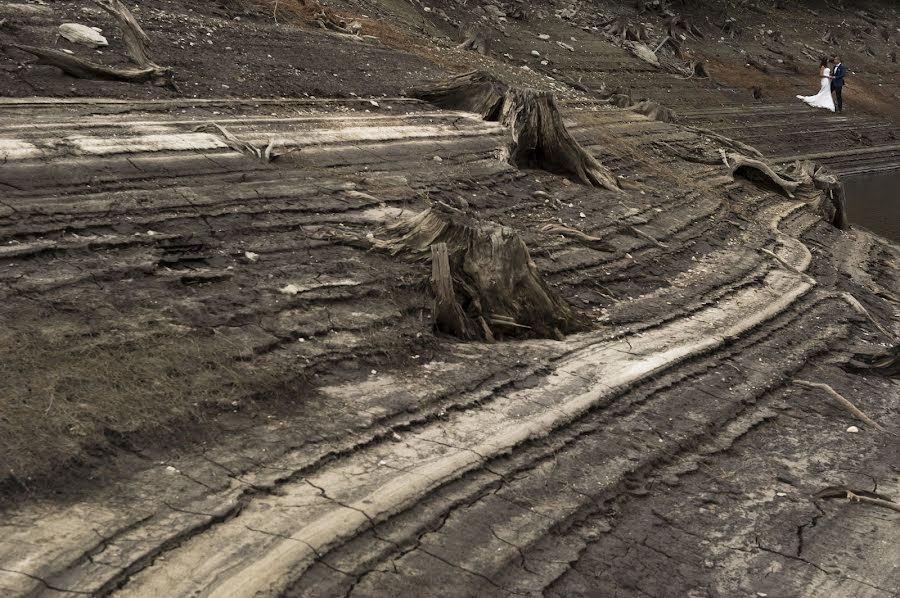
pixel 82 34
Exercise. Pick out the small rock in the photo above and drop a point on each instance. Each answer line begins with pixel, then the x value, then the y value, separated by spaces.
pixel 535 53
pixel 374 103
pixel 82 34
pixel 853 430
pixel 395 437
pixel 566 46
pixel 290 289
pixel 581 215
pixel 544 63
pixel 543 36
pixel 438 159
pixel 251 256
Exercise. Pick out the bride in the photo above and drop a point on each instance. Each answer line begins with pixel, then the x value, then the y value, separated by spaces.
pixel 822 99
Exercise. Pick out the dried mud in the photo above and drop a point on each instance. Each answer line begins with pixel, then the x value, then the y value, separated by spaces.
pixel 215 383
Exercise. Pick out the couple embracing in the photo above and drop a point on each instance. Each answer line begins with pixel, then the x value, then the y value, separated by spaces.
pixel 832 81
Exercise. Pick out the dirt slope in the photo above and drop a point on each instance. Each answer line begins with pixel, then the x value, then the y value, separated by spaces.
pixel 216 383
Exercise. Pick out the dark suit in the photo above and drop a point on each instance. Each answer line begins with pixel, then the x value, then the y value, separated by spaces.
pixel 837 86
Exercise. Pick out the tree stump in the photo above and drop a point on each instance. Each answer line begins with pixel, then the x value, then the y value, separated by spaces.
pixel 539 136
pixel 485 284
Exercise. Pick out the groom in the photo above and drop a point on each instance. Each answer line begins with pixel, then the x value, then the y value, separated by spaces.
pixel 837 83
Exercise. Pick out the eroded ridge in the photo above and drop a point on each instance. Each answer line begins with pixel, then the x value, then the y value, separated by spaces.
pixel 704 301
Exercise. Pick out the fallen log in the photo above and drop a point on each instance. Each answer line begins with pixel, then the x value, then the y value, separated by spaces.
pixel 482 274
pixel 136 41
pixel 83 69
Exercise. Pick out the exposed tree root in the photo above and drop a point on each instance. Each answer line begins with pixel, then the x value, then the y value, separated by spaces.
pixel 484 281
pixel 136 41
pixel 266 154
pixel 655 111
pixel 475 91
pixel 539 136
pixel 843 402
pixel 474 39
pixel 753 168
pixel 824 190
pixel 648 108
pixel 622 28
pixel 679 27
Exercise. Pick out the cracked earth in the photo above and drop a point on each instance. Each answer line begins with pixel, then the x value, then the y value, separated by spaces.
pixel 226 389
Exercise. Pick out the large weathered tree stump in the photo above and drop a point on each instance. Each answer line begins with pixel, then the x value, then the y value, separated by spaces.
pixel 540 139
pixel 539 135
pixel 485 284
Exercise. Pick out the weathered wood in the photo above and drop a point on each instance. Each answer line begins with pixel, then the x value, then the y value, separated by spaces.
pixel 474 91
pixel 540 139
pixel 740 164
pixel 84 69
pixel 448 315
pixel 136 41
pixel 481 270
pixel 655 111
pixel 474 39
pixel 622 28
pixel 841 400
pixel 539 136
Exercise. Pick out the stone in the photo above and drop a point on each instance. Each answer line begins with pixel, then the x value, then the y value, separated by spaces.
pixel 82 34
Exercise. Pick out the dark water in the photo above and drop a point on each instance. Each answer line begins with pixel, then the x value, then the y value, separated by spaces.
pixel 873 202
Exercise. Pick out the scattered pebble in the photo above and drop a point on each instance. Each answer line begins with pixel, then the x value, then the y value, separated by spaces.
pixel 853 430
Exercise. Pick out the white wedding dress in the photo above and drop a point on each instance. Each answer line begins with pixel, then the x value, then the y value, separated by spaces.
pixel 822 99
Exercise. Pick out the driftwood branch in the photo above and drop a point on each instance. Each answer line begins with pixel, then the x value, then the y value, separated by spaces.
pixel 842 401
pixel 266 154
pixel 136 42
pixel 862 496
pixel 740 164
pixel 83 69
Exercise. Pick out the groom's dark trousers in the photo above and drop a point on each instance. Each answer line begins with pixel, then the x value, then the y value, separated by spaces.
pixel 837 86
